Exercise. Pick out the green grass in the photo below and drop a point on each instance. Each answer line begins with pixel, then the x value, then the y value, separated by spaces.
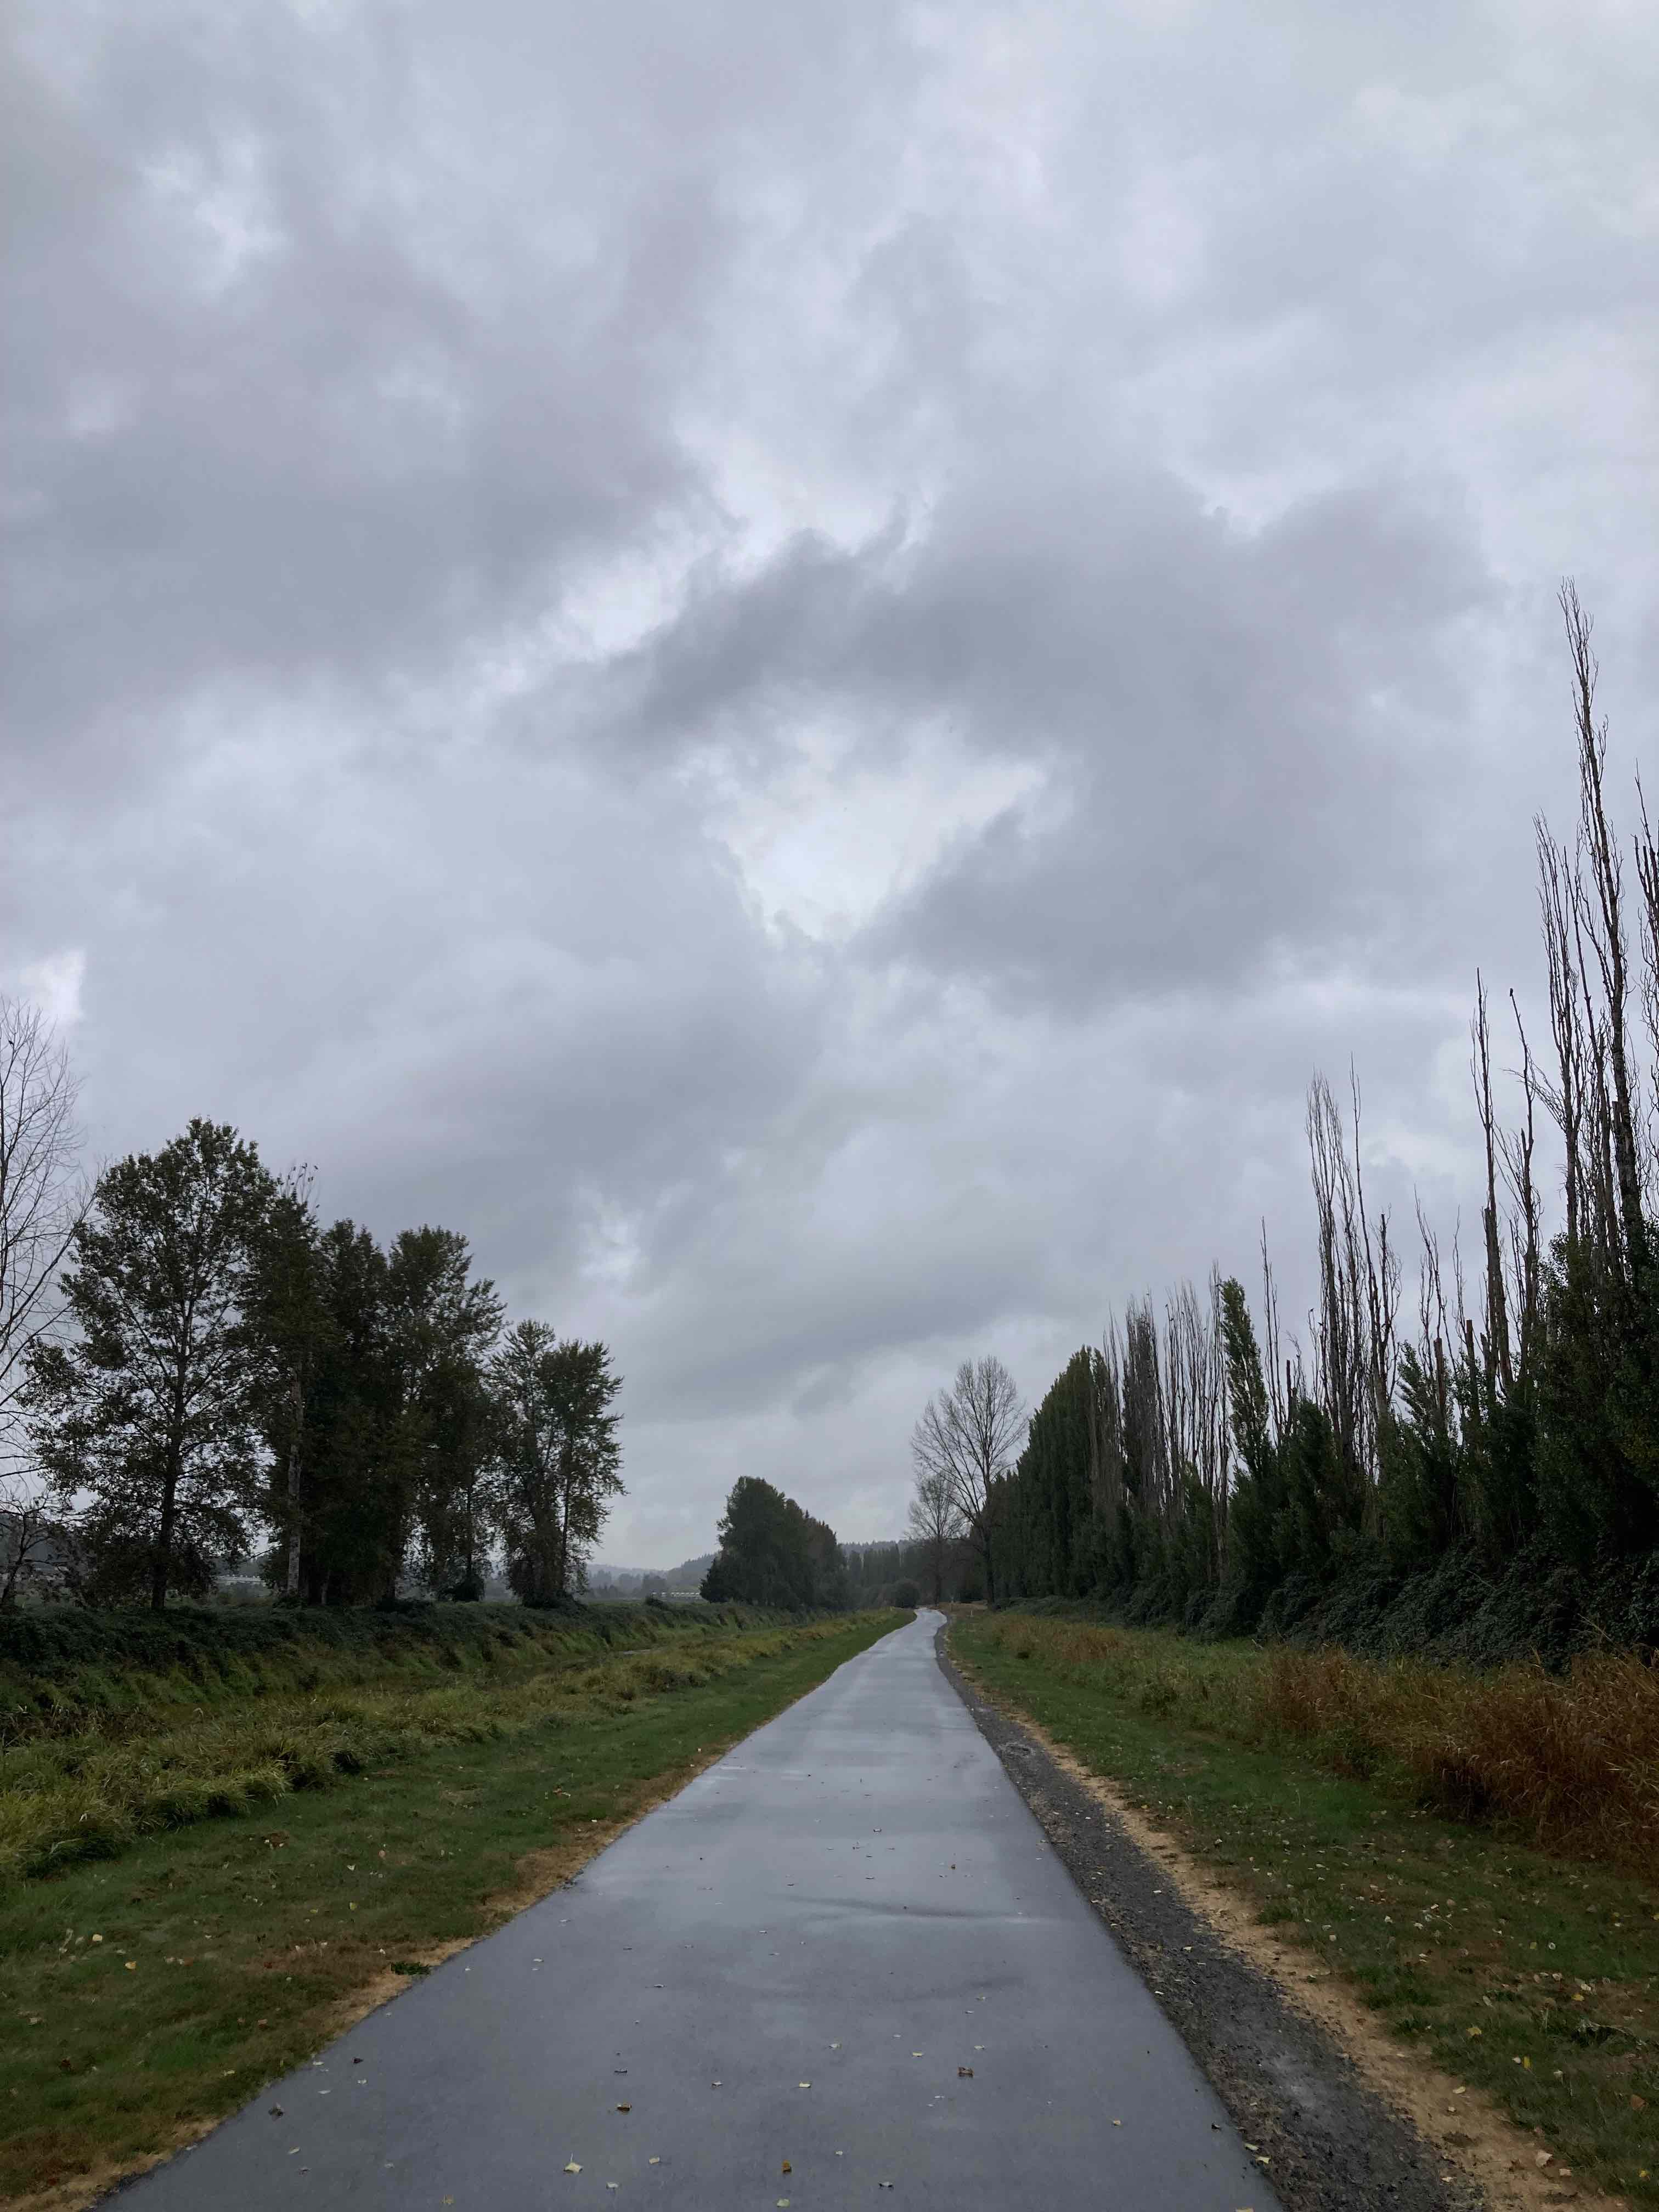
pixel 194 1728
pixel 1535 1979
pixel 229 1950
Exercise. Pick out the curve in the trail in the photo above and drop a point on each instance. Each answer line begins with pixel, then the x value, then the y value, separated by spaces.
pixel 848 1946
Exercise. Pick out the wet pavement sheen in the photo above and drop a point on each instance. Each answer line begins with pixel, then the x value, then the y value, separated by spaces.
pixel 797 1959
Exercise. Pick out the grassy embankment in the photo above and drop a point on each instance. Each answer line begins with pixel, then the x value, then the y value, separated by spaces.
pixel 280 1830
pixel 1474 1855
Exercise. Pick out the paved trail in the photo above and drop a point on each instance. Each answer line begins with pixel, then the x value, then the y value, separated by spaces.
pixel 795 1960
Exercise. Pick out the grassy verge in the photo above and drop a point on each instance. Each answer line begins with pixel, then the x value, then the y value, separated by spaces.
pixel 142 1999
pixel 1535 1978
pixel 206 1718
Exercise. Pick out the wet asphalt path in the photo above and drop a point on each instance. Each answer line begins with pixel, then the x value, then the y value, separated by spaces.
pixel 795 1959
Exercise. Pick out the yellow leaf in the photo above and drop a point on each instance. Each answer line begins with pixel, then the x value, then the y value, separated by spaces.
pixel 573 2167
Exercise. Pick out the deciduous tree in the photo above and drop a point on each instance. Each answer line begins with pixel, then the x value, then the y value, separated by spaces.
pixel 969 1437
pixel 147 1419
pixel 556 1461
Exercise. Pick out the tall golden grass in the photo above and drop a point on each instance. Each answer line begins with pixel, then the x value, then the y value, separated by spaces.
pixel 1573 1758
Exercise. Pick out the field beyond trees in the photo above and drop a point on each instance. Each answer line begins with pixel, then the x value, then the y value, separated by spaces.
pixel 293 1811
pixel 1473 1854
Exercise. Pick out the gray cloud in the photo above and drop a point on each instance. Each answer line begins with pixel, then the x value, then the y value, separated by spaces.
pixel 798 665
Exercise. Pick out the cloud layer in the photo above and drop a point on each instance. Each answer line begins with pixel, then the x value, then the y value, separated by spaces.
pixel 798 668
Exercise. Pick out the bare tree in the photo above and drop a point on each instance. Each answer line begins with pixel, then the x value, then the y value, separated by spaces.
pixel 1499 1363
pixel 935 1522
pixel 43 1194
pixel 42 1197
pixel 33 1541
pixel 969 1437
pixel 1603 924
pixel 1557 904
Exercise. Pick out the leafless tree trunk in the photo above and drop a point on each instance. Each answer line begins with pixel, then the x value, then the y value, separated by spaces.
pixel 42 1193
pixel 1558 904
pixel 1341 1349
pixel 935 1522
pixel 970 1435
pixel 1605 923
pixel 1498 1361
pixel 1196 1450
pixel 1517 1152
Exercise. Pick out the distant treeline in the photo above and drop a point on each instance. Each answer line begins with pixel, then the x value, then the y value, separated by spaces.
pixel 1198 1466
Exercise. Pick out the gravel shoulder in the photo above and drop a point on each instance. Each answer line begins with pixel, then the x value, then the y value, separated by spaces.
pixel 1335 2143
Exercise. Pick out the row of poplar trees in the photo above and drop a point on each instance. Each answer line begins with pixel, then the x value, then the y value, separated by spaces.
pixel 1195 1460
pixel 227 1375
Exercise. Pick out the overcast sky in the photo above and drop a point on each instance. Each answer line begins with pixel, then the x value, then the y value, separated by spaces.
pixel 798 663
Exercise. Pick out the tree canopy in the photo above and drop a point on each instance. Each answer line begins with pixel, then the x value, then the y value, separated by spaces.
pixel 773 1552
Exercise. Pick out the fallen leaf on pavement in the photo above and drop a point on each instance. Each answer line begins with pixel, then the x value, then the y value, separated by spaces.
pixel 573 2167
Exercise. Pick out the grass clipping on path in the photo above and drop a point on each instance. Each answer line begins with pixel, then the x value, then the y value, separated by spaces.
pixel 1468 1854
pixel 142 1999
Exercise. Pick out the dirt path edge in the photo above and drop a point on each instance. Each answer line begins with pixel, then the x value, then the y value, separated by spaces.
pixel 1337 2130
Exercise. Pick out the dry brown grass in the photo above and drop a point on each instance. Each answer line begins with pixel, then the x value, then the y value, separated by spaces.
pixel 1573 1758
